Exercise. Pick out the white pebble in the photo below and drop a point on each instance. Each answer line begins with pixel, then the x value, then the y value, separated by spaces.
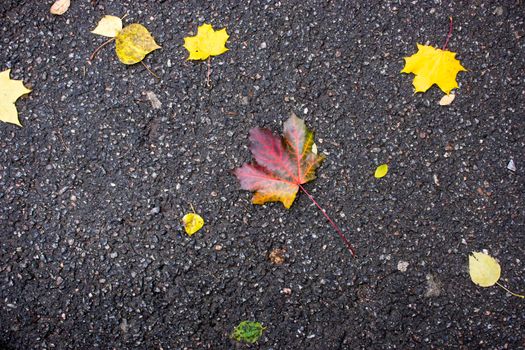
pixel 402 266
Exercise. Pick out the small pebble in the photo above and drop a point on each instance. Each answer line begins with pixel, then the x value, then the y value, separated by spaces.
pixel 402 266
pixel 154 211
pixel 511 166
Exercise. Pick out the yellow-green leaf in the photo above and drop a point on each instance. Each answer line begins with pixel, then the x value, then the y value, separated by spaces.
pixel 108 26
pixel 10 91
pixel 192 223
pixel 433 66
pixel 484 270
pixel 134 42
pixel 208 42
pixel 381 171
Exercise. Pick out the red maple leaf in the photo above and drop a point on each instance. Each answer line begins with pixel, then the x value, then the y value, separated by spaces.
pixel 282 165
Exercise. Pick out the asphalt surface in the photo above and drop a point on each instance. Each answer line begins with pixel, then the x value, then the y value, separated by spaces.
pixel 93 187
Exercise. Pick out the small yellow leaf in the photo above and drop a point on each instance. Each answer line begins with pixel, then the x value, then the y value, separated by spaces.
pixel 192 223
pixel 484 270
pixel 60 7
pixel 10 91
pixel 134 42
pixel 208 42
pixel 433 66
pixel 108 26
pixel 447 99
pixel 381 171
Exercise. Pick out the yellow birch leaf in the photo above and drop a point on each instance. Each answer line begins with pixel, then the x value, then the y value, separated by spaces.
pixel 10 91
pixel 108 26
pixel 381 171
pixel 484 270
pixel 433 66
pixel 134 42
pixel 208 42
pixel 192 223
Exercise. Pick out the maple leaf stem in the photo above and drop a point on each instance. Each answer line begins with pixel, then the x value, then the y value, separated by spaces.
pixel 209 72
pixel 92 57
pixel 337 229
pixel 449 34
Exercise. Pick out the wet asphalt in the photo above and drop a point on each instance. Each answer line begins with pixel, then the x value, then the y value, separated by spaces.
pixel 93 187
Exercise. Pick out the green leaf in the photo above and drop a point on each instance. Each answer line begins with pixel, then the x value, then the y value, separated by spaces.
pixel 248 331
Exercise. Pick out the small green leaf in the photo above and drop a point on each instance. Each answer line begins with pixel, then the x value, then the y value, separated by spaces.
pixel 248 331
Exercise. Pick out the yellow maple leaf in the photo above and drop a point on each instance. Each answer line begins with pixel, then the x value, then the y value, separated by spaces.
pixel 208 42
pixel 134 41
pixel 192 223
pixel 433 66
pixel 10 91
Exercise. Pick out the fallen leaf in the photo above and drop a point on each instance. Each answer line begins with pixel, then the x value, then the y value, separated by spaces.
pixel 433 66
pixel 484 270
pixel 276 256
pixel 248 331
pixel 10 91
pixel 381 171
pixel 60 7
pixel 434 286
pixel 447 100
pixel 192 223
pixel 108 26
pixel 155 102
pixel 134 42
pixel 281 163
pixel 208 42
